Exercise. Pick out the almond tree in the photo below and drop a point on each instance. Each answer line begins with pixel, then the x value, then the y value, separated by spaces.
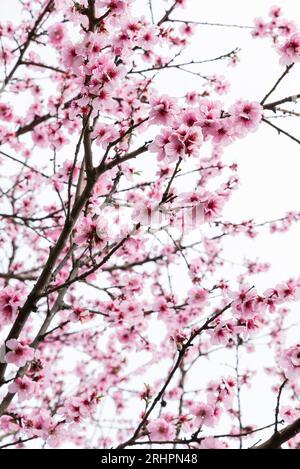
pixel 110 190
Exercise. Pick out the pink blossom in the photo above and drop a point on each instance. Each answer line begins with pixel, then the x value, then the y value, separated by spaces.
pixel 79 408
pixel 290 362
pixel 247 116
pixel 159 144
pixel 40 137
pixel 148 38
pixel 192 97
pixel 93 231
pixel 57 34
pixel 132 312
pixel 190 118
pixel 146 213
pixel 72 57
pixel 57 434
pixel 286 28
pixel 198 295
pixel 19 353
pixel 288 291
pixel 163 110
pixel 24 387
pixel 175 148
pixel 161 430
pixel 41 424
pixel 222 131
pixel 260 28
pixel 212 208
pixel 104 134
pixel 8 424
pixel 289 414
pixel 10 300
pixel 117 6
pixel 221 85
pixel 185 141
pixel 6 112
pixel 246 302
pixel 290 51
pixel 204 415
pixel 80 314
pixel 223 333
pixel 187 29
pixel 196 267
pixel 275 11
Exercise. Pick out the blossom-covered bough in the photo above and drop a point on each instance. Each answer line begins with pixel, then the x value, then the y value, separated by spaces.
pixel 111 193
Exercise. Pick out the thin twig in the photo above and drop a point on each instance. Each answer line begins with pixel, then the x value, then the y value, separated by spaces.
pixel 278 404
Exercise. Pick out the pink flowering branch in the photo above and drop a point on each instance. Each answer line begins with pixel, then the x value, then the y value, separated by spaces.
pixel 27 43
pixel 181 354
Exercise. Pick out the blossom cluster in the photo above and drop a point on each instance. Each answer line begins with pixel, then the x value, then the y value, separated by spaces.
pixel 284 34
